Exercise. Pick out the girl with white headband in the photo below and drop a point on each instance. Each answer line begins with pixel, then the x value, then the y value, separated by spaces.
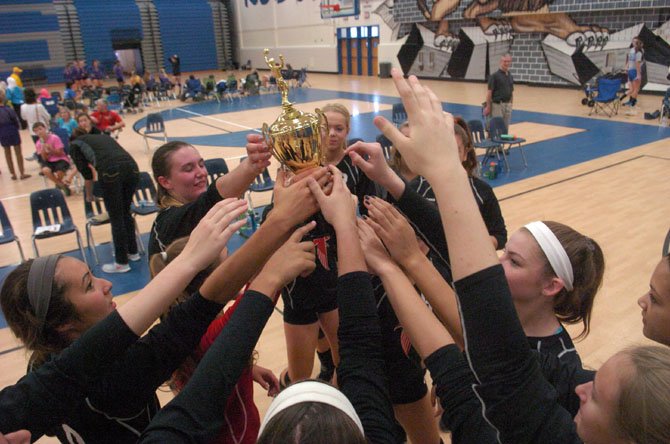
pixel 50 308
pixel 308 411
pixel 626 403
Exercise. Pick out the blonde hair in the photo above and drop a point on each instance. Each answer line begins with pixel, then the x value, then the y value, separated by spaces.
pixel 340 109
pixel 643 411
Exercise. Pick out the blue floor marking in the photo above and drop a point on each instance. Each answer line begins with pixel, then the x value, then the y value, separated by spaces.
pixel 600 138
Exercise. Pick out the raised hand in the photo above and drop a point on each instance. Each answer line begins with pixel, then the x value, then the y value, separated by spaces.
pixel 293 201
pixel 431 149
pixel 393 229
pixel 266 379
pixel 18 437
pixel 291 260
pixel 369 157
pixel 339 208
pixel 213 232
pixel 377 258
pixel 258 152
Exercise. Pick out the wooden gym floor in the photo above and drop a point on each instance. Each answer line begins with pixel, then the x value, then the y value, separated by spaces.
pixel 604 177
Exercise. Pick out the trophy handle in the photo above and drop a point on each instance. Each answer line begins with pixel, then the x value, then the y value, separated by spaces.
pixel 323 127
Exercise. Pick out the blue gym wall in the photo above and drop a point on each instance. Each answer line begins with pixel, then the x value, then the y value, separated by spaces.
pixel 30 34
pixel 104 21
pixel 30 38
pixel 187 32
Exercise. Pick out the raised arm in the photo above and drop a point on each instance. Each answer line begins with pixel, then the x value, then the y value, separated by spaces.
pixel 400 240
pixel 293 204
pixel 195 414
pixel 235 183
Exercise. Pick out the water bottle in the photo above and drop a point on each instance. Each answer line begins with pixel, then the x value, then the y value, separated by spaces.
pixel 493 170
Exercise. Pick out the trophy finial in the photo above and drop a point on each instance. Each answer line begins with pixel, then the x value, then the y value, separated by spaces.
pixel 276 71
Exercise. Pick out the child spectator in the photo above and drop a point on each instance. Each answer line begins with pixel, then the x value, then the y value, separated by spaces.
pixel 54 161
pixel 66 121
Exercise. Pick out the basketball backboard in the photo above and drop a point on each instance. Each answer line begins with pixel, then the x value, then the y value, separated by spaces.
pixel 339 8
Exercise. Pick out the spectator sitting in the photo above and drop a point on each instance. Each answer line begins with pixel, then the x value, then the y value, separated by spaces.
pixel 70 97
pixel 53 160
pixel 107 121
pixel 44 94
pixel 84 122
pixel 252 83
pixel 66 121
pixel 194 89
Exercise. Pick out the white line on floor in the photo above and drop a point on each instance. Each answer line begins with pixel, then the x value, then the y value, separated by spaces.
pixel 218 120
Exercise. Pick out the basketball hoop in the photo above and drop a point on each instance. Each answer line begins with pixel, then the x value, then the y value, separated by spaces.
pixel 335 7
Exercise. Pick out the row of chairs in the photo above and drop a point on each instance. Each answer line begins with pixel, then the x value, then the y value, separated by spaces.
pixel 497 144
pixel 51 215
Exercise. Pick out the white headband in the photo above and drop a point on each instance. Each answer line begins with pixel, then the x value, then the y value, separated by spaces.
pixel 552 248
pixel 314 391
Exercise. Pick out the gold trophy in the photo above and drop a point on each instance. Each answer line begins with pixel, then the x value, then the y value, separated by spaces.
pixel 295 137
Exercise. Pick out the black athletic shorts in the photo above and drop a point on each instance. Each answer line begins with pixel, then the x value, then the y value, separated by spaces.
pixel 405 373
pixel 306 298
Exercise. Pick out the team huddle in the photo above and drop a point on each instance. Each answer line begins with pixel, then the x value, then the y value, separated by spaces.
pixel 387 270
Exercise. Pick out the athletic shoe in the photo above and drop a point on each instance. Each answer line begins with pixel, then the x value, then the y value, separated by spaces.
pixel 134 257
pixel 116 268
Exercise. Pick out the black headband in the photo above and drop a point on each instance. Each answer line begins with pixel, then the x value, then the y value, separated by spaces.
pixel 40 285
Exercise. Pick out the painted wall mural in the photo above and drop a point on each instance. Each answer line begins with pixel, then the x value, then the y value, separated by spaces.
pixel 574 50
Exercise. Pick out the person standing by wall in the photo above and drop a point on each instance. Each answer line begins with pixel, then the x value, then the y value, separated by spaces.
pixel 634 69
pixel 176 70
pixel 9 137
pixel 500 92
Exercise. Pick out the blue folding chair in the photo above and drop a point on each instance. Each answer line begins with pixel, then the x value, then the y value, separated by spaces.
pixel 96 215
pixel 480 141
pixel 7 234
pixel 215 169
pixel 50 211
pixel 51 105
pixel 399 115
pixel 155 125
pixel 498 132
pixel 115 102
pixel 607 97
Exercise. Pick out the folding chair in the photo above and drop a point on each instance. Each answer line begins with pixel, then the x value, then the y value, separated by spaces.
pixel 386 146
pixel 144 202
pixel 51 105
pixel 155 125
pixel 498 132
pixel 665 109
pixel 607 97
pixel 215 169
pixel 96 215
pixel 480 141
pixel 56 95
pixel 51 217
pixel 399 114
pixel 7 235
pixel 115 102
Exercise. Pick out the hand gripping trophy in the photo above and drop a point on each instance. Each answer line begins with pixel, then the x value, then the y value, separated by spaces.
pixel 295 137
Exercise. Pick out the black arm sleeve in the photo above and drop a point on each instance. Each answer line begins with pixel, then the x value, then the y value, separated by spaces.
pixel 195 414
pixel 175 222
pixel 490 210
pixel 518 401
pixel 46 395
pixel 361 372
pixel 134 378
pixel 425 217
pixel 82 155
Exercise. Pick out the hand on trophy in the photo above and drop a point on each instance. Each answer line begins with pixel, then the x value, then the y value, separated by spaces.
pixel 339 208
pixel 258 152
pixel 431 149
pixel 293 201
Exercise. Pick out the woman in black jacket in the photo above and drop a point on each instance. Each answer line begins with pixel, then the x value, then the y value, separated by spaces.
pixel 118 175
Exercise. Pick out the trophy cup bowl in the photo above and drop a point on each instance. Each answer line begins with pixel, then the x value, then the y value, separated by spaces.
pixel 295 140
pixel 295 137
